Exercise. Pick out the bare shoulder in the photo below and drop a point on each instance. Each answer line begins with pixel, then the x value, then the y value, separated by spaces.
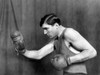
pixel 71 32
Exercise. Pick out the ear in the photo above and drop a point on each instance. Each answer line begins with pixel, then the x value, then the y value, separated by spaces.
pixel 56 24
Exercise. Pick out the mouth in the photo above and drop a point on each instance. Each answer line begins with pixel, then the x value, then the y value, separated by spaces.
pixel 49 36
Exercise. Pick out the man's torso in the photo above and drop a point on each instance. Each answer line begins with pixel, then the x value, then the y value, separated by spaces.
pixel 65 47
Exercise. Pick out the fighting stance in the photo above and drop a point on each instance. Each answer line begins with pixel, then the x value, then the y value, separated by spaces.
pixel 72 48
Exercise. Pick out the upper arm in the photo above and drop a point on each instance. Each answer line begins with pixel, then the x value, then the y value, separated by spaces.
pixel 79 42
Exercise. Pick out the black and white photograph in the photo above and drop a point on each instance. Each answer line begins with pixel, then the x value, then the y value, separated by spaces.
pixel 49 37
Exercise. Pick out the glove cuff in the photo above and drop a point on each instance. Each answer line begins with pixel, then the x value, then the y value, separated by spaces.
pixel 20 52
pixel 68 61
pixel 23 51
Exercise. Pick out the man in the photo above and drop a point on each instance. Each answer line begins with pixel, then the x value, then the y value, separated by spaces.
pixel 72 49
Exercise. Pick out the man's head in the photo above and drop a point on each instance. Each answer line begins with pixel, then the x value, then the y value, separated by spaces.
pixel 50 23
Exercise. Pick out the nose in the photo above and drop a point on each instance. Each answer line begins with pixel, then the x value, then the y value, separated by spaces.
pixel 45 31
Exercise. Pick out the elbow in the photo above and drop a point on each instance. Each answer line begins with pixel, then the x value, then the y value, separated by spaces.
pixel 93 53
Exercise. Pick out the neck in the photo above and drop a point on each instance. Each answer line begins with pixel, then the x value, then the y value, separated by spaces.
pixel 60 30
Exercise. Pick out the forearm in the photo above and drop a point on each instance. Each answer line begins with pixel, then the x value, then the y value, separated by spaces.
pixel 39 54
pixel 83 56
pixel 33 54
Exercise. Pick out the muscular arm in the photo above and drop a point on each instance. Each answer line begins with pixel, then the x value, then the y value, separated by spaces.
pixel 39 54
pixel 80 43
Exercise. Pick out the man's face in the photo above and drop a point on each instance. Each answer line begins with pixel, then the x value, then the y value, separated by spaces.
pixel 50 30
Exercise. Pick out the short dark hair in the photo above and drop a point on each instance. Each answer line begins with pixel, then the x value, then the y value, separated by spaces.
pixel 50 19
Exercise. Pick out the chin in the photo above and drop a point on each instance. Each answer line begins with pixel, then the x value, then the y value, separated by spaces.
pixel 50 37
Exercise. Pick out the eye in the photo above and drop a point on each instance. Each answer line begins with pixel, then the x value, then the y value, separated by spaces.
pixel 45 28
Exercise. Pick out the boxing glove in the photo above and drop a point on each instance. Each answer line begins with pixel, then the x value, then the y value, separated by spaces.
pixel 59 61
pixel 17 39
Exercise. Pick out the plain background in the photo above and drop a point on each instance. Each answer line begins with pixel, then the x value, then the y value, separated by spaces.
pixel 82 15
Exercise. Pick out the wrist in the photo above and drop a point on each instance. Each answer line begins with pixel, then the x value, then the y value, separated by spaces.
pixel 68 61
pixel 20 52
pixel 23 51
pixel 67 58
